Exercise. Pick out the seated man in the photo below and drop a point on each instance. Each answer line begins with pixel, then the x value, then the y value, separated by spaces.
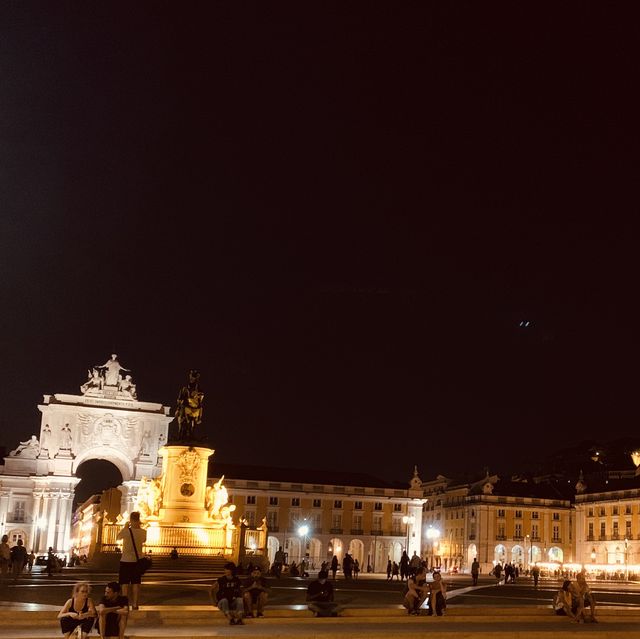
pixel 113 612
pixel 417 591
pixel 320 596
pixel 255 593
pixel 228 594
pixel 582 596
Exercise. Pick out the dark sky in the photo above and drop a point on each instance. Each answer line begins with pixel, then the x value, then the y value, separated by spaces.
pixel 339 212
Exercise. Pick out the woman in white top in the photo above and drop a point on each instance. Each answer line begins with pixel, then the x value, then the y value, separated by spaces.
pixel 129 571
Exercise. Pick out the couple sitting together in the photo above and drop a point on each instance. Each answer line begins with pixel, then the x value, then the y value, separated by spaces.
pixel 418 591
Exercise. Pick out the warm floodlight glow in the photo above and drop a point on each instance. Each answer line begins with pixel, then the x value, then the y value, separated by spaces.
pixel 303 530
pixel 432 533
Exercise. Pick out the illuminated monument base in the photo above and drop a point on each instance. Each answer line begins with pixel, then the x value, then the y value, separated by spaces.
pixel 180 511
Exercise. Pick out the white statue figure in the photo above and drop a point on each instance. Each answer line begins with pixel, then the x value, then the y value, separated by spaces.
pixel 28 449
pixel 142 497
pixel 155 496
pixel 216 500
pixel 66 438
pixel 145 444
pixel 93 381
pixel 45 437
pixel 111 370
pixel 126 386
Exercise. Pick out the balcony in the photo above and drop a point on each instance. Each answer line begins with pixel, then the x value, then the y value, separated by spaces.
pixel 518 538
pixel 357 531
pixel 377 532
pixel 335 531
pixel 590 538
pixel 536 538
pixel 472 536
pixel 501 537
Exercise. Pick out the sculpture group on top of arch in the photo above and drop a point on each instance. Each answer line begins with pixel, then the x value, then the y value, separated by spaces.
pixel 109 380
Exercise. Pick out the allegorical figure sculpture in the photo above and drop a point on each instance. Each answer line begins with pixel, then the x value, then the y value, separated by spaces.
pixel 28 449
pixel 189 407
pixel 111 371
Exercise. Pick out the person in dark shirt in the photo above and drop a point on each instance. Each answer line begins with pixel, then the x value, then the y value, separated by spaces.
pixel 113 612
pixel 255 593
pixel 320 596
pixel 228 593
pixel 18 559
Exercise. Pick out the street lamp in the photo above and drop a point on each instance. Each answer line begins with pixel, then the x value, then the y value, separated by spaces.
pixel 626 563
pixel 433 534
pixel 408 520
pixel 303 531
pixel 526 555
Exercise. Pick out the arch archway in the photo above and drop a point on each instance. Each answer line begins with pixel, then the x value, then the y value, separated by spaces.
pixel 472 553
pixel 336 548
pixel 536 554
pixel 272 548
pixel 396 551
pixel 356 550
pixel 315 553
pixel 500 554
pixel 118 459
pixel 556 554
pixel 517 556
pixel 95 476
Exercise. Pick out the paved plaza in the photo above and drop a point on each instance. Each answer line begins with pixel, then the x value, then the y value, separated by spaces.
pixel 177 604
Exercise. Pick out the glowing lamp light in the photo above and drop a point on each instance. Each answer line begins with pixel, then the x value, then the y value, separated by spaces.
pixel 303 530
pixel 433 533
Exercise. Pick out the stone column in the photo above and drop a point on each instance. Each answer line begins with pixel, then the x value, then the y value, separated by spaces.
pixel 64 522
pixel 4 510
pixel 184 481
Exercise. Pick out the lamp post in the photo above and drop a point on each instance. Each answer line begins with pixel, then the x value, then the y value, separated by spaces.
pixel 432 535
pixel 303 531
pixel 526 555
pixel 408 520
pixel 626 562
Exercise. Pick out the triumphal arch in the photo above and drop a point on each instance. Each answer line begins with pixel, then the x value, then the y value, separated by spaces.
pixel 106 420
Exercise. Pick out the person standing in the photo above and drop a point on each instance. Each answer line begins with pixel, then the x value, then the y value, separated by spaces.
pixel 18 559
pixel 30 559
pixel 133 538
pixel 5 557
pixel 278 562
pixel 356 569
pixel 334 566
pixel 535 573
pixel 404 566
pixel 475 571
pixel 389 568
pixel 51 562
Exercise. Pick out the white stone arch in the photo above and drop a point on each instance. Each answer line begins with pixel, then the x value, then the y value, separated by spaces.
pixel 272 548
pixel 337 549
pixel 500 554
pixel 536 555
pixel 118 459
pixel 395 551
pixel 472 553
pixel 517 555
pixel 556 554
pixel 293 549
pixel 315 553
pixel 356 550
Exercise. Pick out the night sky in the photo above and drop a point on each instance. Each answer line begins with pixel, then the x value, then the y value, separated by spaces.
pixel 343 214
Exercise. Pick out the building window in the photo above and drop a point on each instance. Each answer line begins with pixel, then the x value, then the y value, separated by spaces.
pixel 396 526
pixel 317 503
pixel 590 530
pixel 500 512
pixel 337 504
pixel 357 505
pixel 556 516
pixel 627 529
pixel 602 513
pixel 273 501
pixel 534 531
pixel 518 531
pixel 602 530
pixel 357 522
pixel 250 516
pixel 377 505
pixel 556 533
pixel 615 530
pixel 397 508
pixel 627 509
pixel 336 521
pixel 377 523
pixel 615 510
pixel 501 531
pixel 535 515
pixel 19 509
pixel 590 512
pixel 518 514
pixel 251 499
pixel 316 518
pixel 272 519
pixel 295 501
